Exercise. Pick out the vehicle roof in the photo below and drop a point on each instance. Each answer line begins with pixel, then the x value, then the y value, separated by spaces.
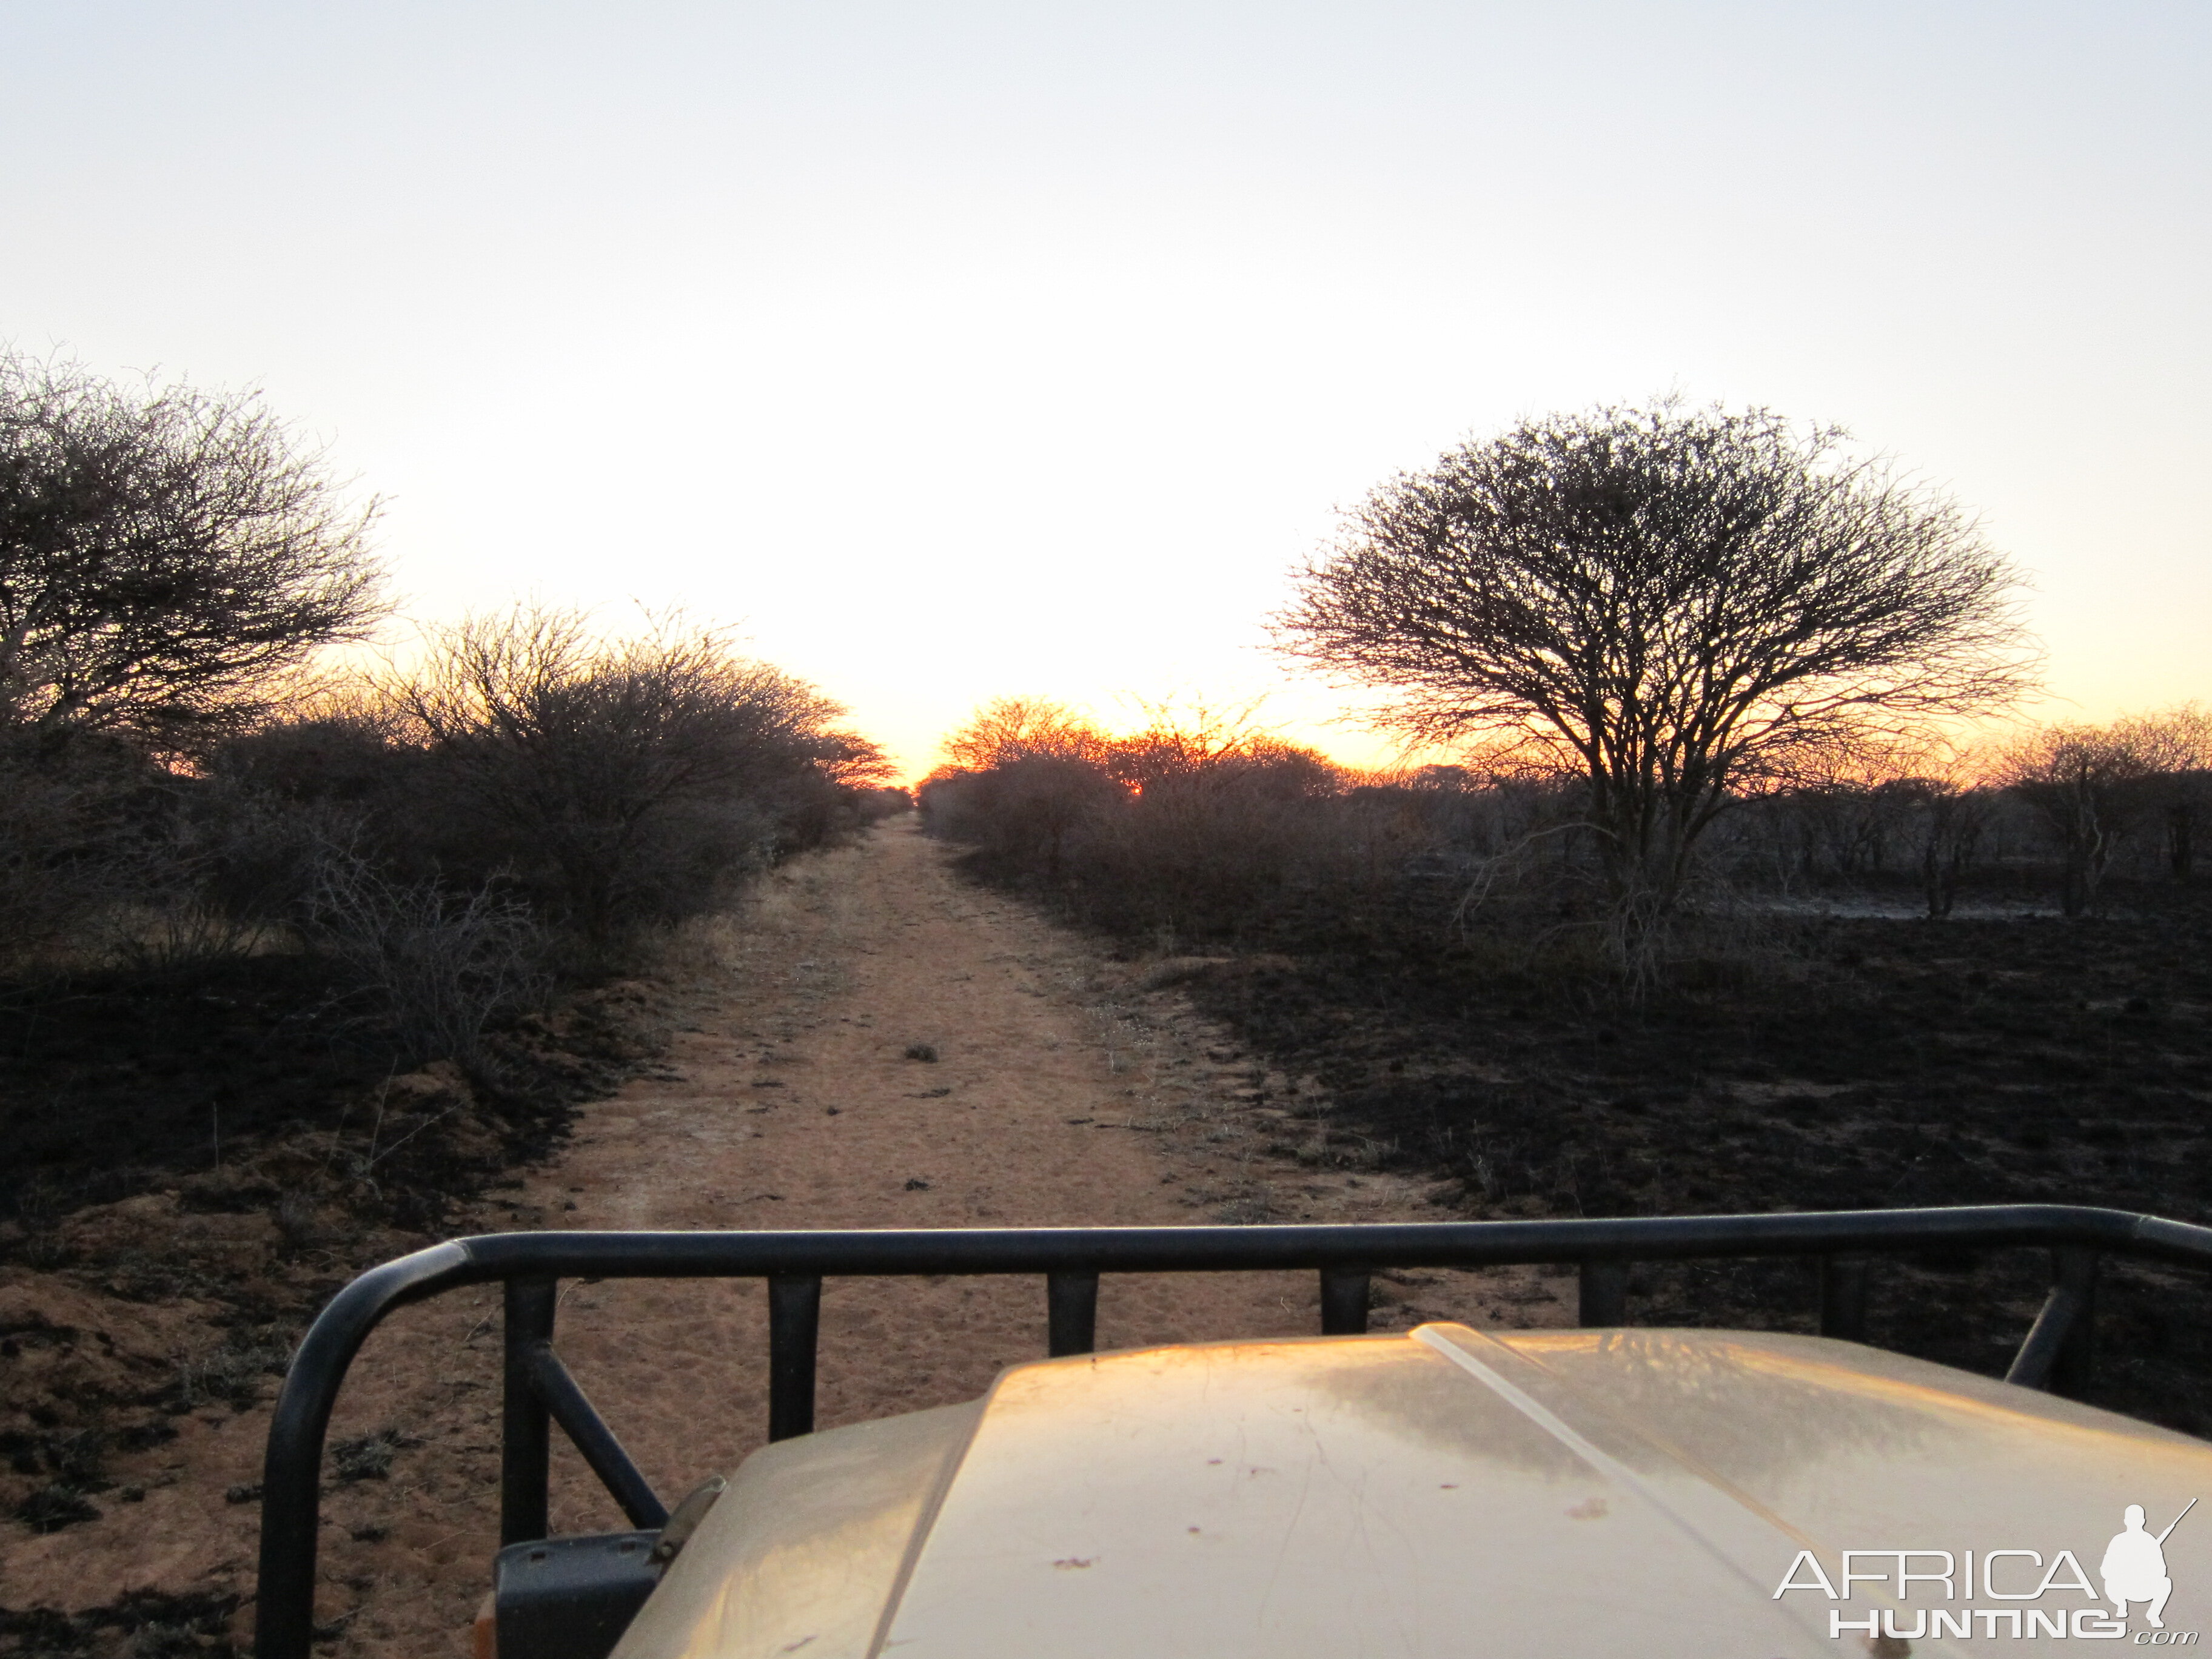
pixel 1446 1491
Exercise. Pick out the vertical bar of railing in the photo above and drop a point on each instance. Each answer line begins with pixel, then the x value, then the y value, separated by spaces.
pixel 1604 1298
pixel 794 1325
pixel 1344 1301
pixel 1843 1297
pixel 1071 1312
pixel 525 1441
pixel 2074 1267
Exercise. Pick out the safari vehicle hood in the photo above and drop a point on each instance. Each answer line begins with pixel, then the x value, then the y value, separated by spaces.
pixel 1448 1492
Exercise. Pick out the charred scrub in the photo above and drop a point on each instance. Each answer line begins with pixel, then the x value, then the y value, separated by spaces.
pixel 1883 1063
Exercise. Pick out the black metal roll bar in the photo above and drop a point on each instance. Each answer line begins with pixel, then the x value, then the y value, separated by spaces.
pixel 539 1390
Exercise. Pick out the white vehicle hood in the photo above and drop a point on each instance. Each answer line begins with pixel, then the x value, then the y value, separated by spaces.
pixel 1446 1493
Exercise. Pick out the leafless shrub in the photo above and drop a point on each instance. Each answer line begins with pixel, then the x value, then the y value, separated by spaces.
pixel 1007 730
pixel 1249 1204
pixel 61 832
pixel 107 857
pixel 57 1504
pixel 343 747
pixel 1022 811
pixel 1882 809
pixel 40 1203
pixel 1021 774
pixel 624 784
pixel 368 1456
pixel 2089 783
pixel 607 789
pixel 234 1374
pixel 1190 826
pixel 2176 746
pixel 1211 852
pixel 441 965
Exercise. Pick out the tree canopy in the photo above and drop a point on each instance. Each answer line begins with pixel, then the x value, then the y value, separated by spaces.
pixel 1667 602
pixel 165 554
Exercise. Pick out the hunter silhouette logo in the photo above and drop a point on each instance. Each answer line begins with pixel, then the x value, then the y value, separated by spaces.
pixel 1916 1584
pixel 2134 1567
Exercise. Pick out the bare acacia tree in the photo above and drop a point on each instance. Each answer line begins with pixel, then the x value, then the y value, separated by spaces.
pixel 1671 603
pixel 2090 784
pixel 163 556
pixel 2176 746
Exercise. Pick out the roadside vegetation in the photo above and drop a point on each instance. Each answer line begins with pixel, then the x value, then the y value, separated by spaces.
pixel 367 864
pixel 1203 830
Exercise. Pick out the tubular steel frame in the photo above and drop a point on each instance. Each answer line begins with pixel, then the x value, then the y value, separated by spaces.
pixel 539 1391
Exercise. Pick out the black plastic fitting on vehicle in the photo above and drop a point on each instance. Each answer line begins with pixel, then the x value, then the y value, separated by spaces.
pixel 570 1598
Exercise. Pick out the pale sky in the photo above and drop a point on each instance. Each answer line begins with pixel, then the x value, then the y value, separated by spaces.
pixel 954 350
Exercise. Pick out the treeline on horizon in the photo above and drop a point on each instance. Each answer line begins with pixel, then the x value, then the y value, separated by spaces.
pixel 1201 830
pixel 525 800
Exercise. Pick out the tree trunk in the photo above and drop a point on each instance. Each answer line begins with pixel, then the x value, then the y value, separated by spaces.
pixel 1939 878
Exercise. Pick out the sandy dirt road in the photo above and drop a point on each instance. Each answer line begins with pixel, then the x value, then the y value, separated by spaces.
pixel 1063 1091
pixel 1062 1094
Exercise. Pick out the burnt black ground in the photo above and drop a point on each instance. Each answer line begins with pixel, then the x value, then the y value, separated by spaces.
pixel 143 1624
pixel 112 1079
pixel 1838 1065
pixel 124 1082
